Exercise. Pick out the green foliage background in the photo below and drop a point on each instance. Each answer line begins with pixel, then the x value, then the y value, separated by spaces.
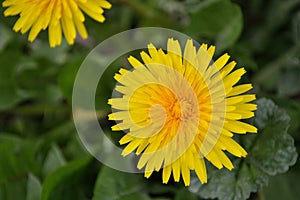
pixel 41 156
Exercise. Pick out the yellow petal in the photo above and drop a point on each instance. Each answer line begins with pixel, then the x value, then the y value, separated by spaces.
pixel 200 169
pixel 239 127
pixel 166 174
pixel 176 170
pixel 240 89
pixel 134 62
pixel 222 61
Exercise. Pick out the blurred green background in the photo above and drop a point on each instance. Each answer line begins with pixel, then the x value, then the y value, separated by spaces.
pixel 41 156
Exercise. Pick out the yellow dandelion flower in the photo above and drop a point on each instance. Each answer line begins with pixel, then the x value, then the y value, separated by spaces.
pixel 180 108
pixel 57 15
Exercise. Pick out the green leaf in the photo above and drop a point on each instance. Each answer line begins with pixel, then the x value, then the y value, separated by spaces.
pixel 10 95
pixel 75 148
pixel 5 36
pixel 218 20
pixel 34 188
pixel 65 183
pixel 17 157
pixel 284 186
pixel 227 185
pixel 270 152
pixel 292 106
pixel 112 184
pixel 273 150
pixel 54 160
pixel 41 50
pixel 12 190
pixel 66 77
pixel 36 78
pixel 184 193
pixel 17 160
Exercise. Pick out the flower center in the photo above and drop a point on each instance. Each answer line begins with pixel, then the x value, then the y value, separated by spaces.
pixel 181 109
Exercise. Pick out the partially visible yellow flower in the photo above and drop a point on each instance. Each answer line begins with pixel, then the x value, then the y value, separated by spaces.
pixel 179 109
pixel 57 15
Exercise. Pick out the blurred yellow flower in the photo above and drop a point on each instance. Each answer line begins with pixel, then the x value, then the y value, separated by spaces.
pixel 179 109
pixel 57 15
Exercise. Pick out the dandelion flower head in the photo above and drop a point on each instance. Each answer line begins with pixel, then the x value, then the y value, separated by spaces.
pixel 179 108
pixel 59 16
